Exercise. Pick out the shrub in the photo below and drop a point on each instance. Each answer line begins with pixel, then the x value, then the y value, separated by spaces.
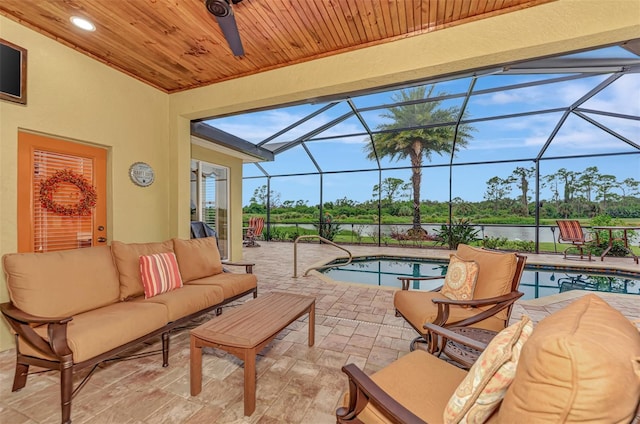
pixel 458 232
pixel 327 228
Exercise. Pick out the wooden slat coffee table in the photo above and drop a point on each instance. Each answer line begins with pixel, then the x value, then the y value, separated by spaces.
pixel 245 331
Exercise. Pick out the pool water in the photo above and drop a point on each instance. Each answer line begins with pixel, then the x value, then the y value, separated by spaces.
pixel 536 281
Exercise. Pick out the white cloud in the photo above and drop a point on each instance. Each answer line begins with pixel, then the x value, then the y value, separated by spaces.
pixel 622 96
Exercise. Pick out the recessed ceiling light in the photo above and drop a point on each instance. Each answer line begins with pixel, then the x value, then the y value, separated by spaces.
pixel 82 23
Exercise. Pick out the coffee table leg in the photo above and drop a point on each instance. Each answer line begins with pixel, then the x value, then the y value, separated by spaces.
pixel 195 365
pixel 249 381
pixel 312 323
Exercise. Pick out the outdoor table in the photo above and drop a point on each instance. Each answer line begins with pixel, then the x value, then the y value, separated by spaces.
pixel 245 331
pixel 463 354
pixel 612 238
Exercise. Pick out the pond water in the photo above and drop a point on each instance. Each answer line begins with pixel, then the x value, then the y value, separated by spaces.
pixel 536 281
pixel 510 232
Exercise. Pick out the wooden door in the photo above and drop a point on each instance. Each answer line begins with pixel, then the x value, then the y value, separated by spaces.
pixel 61 194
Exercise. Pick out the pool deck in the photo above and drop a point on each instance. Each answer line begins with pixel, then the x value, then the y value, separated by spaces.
pixel 536 309
pixel 354 324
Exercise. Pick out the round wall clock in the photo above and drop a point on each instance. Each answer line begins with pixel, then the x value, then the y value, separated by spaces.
pixel 141 174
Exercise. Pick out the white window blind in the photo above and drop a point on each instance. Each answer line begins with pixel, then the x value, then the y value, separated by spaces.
pixel 209 199
pixel 57 232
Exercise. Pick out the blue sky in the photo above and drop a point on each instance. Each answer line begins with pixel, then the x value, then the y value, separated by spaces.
pixel 494 140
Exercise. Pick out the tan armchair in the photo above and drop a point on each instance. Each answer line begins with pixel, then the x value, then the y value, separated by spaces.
pixel 580 364
pixel 496 291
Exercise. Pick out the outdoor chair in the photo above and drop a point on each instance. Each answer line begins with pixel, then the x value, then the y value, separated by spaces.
pixel 580 364
pixel 201 229
pixel 256 225
pixel 480 289
pixel 571 232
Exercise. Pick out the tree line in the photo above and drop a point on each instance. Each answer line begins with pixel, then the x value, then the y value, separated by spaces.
pixel 573 193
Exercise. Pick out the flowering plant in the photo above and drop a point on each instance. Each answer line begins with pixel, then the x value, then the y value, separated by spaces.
pixel 49 186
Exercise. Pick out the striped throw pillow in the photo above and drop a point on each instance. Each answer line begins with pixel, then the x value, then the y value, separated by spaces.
pixel 159 273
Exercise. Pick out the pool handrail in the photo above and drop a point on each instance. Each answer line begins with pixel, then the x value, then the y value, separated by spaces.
pixel 295 254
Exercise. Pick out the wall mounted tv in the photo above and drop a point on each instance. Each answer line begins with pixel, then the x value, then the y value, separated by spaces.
pixel 13 72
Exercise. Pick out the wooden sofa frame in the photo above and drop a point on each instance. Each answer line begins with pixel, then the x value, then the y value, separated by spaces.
pixel 62 356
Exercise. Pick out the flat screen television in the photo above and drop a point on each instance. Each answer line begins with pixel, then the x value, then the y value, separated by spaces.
pixel 13 72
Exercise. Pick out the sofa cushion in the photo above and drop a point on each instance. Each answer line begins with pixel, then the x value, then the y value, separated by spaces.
pixel 402 380
pixel 197 258
pixel 127 259
pixel 460 281
pixel 61 283
pixel 186 300
pixel 159 273
pixel 230 283
pixel 496 271
pixel 418 308
pixel 579 365
pixel 100 330
pixel 482 390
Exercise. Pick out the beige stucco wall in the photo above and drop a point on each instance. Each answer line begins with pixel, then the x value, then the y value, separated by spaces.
pixel 73 96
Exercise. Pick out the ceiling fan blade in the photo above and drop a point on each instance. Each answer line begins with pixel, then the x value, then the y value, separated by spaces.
pixel 230 31
pixel 223 12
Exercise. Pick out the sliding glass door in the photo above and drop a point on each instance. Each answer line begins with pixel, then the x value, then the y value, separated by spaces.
pixel 210 200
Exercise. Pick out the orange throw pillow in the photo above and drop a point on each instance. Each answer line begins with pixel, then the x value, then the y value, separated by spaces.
pixel 159 273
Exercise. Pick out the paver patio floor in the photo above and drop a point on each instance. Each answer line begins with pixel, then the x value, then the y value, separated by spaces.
pixel 296 383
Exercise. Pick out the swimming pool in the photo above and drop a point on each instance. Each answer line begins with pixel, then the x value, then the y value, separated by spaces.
pixel 537 281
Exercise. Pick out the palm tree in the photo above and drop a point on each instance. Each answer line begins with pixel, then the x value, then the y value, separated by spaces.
pixel 418 142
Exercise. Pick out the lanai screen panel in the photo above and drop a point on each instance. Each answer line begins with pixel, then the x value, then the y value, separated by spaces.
pixel 574 183
pixel 309 120
pixel 292 161
pixel 613 98
pixel 296 190
pixel 579 137
pixel 251 189
pixel 528 99
pixel 508 139
pixel 349 188
pixel 250 170
pixel 342 154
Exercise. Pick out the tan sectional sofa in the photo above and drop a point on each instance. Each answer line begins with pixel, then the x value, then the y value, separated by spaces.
pixel 76 308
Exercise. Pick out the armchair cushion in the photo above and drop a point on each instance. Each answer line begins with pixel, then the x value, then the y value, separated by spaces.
pixel 417 308
pixel 482 390
pixel 404 380
pixel 580 365
pixel 497 271
pixel 460 281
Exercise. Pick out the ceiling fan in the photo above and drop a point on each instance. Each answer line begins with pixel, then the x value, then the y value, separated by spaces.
pixel 223 12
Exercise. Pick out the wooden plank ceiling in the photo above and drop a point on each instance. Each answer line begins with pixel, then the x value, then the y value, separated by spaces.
pixel 176 45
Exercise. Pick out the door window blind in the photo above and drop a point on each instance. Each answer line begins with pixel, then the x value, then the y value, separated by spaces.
pixel 57 232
